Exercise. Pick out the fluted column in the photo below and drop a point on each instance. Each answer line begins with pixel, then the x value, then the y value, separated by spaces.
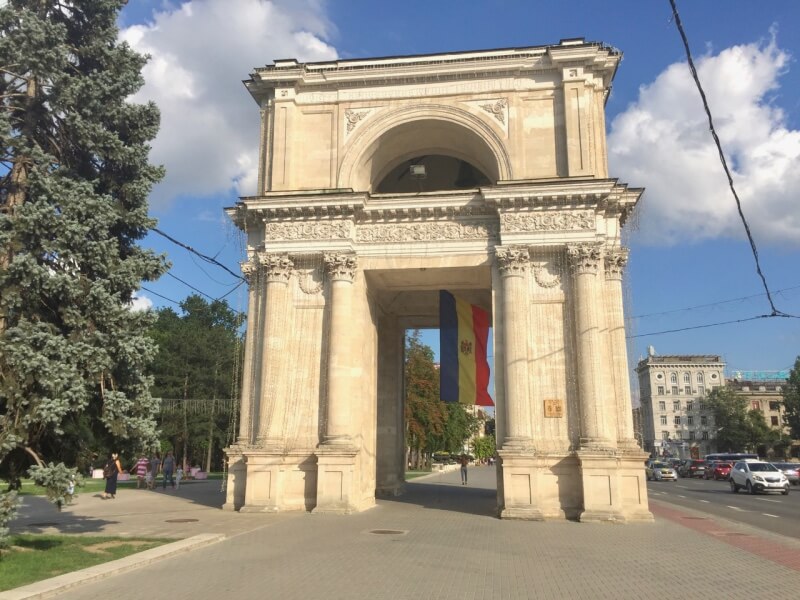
pixel 586 262
pixel 615 265
pixel 341 271
pixel 251 274
pixel 512 262
pixel 277 269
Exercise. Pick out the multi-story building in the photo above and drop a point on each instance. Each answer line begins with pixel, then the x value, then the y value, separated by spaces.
pixel 672 388
pixel 763 390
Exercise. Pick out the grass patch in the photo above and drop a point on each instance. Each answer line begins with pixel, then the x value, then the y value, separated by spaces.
pixel 414 474
pixel 96 486
pixel 35 557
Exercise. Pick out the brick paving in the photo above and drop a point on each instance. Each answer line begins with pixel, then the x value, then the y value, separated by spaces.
pixel 449 545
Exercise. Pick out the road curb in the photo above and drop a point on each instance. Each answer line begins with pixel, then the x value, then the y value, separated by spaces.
pixel 55 585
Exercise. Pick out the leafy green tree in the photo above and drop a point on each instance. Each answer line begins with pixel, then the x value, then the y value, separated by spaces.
pixel 791 401
pixel 458 427
pixel 196 369
pixel 483 447
pixel 730 416
pixel 425 414
pixel 73 207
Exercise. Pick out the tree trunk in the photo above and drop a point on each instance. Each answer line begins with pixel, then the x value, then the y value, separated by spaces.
pixel 210 435
pixel 185 421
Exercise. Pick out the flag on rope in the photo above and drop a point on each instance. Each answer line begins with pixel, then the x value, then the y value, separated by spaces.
pixel 464 371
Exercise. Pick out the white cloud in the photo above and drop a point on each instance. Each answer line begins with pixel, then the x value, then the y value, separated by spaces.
pixel 140 302
pixel 200 52
pixel 662 142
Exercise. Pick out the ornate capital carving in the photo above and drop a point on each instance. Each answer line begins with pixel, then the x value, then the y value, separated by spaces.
pixel 340 267
pixel 585 259
pixel 278 267
pixel 615 263
pixel 249 270
pixel 512 260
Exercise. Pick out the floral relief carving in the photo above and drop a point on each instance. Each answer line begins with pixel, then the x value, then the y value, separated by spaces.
pixel 249 269
pixel 339 266
pixel 353 117
pixel 311 230
pixel 546 274
pixel 497 109
pixel 548 221
pixel 585 259
pixel 426 232
pixel 311 281
pixel 512 260
pixel 615 263
pixel 278 267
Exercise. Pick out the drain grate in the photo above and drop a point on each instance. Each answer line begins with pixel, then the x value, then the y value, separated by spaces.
pixel 388 531
pixel 181 521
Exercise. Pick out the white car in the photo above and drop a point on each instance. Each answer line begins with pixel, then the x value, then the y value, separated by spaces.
pixel 660 471
pixel 758 476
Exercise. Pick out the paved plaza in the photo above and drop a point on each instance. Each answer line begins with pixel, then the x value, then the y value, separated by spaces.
pixel 440 540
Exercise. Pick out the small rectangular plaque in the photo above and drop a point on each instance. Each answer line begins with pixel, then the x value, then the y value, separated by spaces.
pixel 554 408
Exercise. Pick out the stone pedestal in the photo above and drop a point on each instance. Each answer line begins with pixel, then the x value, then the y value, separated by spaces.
pixel 236 484
pixel 614 488
pixel 336 482
pixel 279 482
pixel 521 485
pixel 633 485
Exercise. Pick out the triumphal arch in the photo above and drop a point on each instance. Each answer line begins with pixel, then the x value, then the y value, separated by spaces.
pixel 382 181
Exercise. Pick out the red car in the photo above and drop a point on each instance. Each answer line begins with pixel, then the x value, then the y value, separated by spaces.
pixel 718 470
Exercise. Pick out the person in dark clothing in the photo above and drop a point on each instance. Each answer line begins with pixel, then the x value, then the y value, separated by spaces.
pixel 111 469
pixel 464 462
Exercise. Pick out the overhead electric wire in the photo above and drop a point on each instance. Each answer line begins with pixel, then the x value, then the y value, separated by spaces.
pixel 189 285
pixel 679 25
pixel 206 258
pixel 148 290
pixel 705 326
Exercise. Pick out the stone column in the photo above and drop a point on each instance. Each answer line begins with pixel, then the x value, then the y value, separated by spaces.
pixel 618 351
pixel 512 262
pixel 251 274
pixel 586 262
pixel 277 269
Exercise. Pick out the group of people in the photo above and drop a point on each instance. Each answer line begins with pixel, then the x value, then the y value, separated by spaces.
pixel 146 470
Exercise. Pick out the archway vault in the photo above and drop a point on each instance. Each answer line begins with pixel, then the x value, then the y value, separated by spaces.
pixel 401 134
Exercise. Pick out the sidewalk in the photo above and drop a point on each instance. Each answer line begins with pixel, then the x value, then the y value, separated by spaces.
pixel 440 540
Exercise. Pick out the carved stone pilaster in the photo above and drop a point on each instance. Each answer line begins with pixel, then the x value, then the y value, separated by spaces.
pixel 585 258
pixel 340 267
pixel 513 261
pixel 615 263
pixel 277 267
pixel 249 269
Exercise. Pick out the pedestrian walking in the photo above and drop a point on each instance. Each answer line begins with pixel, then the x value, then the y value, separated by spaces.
pixel 141 468
pixel 464 462
pixel 168 467
pixel 178 477
pixel 111 469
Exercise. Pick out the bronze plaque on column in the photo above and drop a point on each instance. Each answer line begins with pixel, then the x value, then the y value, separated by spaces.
pixel 554 408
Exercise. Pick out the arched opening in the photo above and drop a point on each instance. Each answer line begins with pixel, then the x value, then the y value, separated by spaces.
pixel 432 173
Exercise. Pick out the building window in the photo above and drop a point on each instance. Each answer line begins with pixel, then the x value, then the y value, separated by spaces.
pixel 677 420
pixel 687 378
pixel 705 435
pixel 703 420
pixel 676 405
pixel 774 405
pixel 756 405
pixel 665 435
pixel 774 421
pixel 691 435
pixel 701 390
pixel 687 390
pixel 663 419
pixel 662 405
pixel 674 390
pixel 673 378
pixel 690 420
pixel 699 378
pixel 661 390
pixel 702 405
pixel 689 405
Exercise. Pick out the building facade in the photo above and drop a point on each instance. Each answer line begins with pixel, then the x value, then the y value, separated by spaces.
pixel 674 418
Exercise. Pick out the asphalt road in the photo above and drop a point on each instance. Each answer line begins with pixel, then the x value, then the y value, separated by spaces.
pixel 772 512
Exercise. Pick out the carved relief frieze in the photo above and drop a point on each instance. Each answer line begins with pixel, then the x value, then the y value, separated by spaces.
pixel 340 266
pixel 512 260
pixel 519 222
pixel 585 259
pixel 308 230
pixel 616 261
pixel 277 267
pixel 427 231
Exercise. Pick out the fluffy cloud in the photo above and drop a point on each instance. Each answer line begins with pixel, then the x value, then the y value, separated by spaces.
pixel 662 142
pixel 140 302
pixel 200 52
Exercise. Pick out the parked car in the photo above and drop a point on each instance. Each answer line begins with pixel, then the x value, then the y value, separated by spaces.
pixel 692 468
pixel 660 471
pixel 791 470
pixel 718 470
pixel 758 476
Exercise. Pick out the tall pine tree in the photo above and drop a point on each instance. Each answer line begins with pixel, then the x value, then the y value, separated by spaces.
pixel 73 206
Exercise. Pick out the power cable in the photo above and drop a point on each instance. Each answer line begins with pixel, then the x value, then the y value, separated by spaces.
pixel 148 290
pixel 206 258
pixel 679 25
pixel 189 285
pixel 769 316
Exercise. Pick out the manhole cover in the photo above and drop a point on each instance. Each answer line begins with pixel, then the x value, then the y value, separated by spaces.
pixel 42 524
pixel 696 518
pixel 181 520
pixel 388 531
pixel 730 534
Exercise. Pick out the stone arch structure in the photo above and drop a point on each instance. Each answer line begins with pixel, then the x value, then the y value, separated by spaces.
pixel 337 272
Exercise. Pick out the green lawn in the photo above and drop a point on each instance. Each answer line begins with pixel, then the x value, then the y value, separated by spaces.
pixel 413 474
pixel 35 557
pixel 96 486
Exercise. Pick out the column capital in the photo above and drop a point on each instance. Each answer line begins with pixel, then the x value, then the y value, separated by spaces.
pixel 616 260
pixel 278 267
pixel 340 266
pixel 249 269
pixel 513 261
pixel 586 258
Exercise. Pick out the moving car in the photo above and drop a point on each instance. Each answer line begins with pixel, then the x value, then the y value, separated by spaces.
pixel 791 470
pixel 758 476
pixel 660 471
pixel 693 468
pixel 718 470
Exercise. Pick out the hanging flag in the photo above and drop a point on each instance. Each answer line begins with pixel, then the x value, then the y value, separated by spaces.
pixel 464 371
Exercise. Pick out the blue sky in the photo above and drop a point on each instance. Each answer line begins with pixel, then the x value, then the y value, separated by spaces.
pixel 688 248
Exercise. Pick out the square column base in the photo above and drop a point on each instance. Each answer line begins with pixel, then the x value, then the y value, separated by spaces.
pixel 279 482
pixel 235 486
pixel 613 487
pixel 336 482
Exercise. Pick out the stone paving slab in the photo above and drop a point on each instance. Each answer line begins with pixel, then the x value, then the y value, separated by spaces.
pixel 447 544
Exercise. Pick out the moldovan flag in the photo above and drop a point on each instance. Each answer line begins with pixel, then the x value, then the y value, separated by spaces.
pixel 464 372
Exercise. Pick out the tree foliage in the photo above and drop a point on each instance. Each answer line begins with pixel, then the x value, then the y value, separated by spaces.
pixel 197 365
pixel 791 401
pixel 72 210
pixel 483 447
pixel 738 429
